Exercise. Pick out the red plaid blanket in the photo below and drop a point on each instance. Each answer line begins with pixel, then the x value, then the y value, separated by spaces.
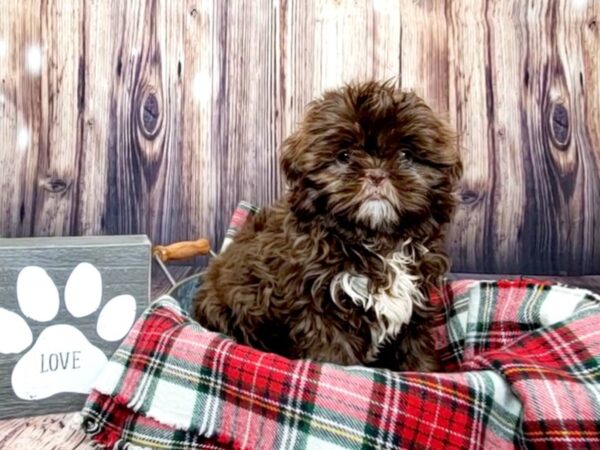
pixel 523 363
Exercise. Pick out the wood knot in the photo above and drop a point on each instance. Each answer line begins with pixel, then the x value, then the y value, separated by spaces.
pixel 469 197
pixel 194 12
pixel 560 131
pixel 55 185
pixel 150 115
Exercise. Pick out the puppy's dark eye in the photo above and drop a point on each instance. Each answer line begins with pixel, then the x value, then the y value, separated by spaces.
pixel 405 156
pixel 343 156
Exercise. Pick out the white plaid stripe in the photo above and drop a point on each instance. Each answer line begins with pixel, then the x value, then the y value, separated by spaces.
pixel 299 379
pixel 210 420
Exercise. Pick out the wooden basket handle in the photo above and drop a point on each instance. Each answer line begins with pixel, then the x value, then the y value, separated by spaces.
pixel 182 250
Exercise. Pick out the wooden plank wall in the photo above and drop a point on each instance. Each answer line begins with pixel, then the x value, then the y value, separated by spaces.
pixel 157 117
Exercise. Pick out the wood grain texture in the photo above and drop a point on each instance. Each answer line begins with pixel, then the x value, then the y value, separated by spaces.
pixel 324 44
pixel 49 432
pixel 157 117
pixel 94 87
pixel 562 186
pixel 246 138
pixel 20 118
pixel 531 166
pixel 199 70
pixel 59 110
pixel 468 105
pixel 424 54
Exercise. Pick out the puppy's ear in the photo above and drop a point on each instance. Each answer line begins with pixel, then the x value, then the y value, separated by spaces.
pixel 303 201
pixel 446 140
pixel 290 158
pixel 456 170
pixel 430 132
pixel 303 194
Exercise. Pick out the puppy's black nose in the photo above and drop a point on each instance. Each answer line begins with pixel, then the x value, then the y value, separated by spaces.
pixel 376 176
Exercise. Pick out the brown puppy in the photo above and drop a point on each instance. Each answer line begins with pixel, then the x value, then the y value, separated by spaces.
pixel 338 269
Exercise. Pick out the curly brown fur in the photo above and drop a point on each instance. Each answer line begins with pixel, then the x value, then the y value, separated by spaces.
pixel 338 269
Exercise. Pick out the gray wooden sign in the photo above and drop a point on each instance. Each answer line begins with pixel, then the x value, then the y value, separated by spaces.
pixel 66 303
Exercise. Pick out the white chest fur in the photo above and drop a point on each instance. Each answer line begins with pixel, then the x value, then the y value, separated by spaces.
pixel 392 303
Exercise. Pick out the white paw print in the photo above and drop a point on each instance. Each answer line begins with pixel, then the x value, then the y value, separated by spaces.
pixel 62 359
